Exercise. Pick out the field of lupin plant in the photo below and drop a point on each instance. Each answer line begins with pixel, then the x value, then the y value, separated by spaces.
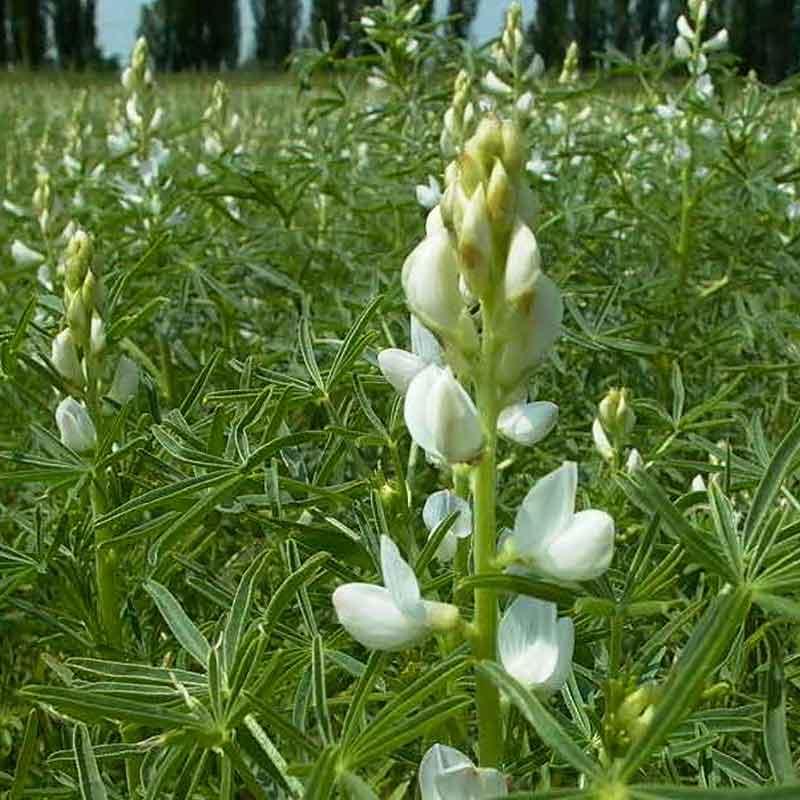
pixel 423 426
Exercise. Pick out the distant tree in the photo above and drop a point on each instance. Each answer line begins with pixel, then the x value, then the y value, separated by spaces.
pixel 276 24
pixel 585 30
pixel 622 29
pixel 549 31
pixel 192 34
pixel 647 13
pixel 28 32
pixel 75 32
pixel 3 35
pixel 466 10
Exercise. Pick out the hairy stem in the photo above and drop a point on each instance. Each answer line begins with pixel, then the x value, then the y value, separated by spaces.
pixel 108 605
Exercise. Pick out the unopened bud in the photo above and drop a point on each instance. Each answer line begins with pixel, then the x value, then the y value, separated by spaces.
pixel 513 148
pixel 523 265
pixel 475 242
pixel 64 356
pixel 616 414
pixel 500 197
pixel 75 426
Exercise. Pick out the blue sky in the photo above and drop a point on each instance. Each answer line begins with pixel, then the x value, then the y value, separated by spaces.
pixel 117 21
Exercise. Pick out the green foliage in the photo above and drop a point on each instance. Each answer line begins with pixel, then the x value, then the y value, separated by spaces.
pixel 263 454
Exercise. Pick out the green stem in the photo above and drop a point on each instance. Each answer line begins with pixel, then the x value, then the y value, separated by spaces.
pixel 108 605
pixel 484 476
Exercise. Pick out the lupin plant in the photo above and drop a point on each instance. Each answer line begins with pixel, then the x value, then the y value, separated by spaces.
pixel 485 316
pixel 318 560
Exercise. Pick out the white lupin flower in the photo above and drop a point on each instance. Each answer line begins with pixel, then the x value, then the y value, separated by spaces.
pixel 400 367
pixel 527 423
pixel 532 331
pixel 684 28
pixel 125 383
pixel 601 441
pixel 492 83
pixel 441 417
pixel 438 507
pixel 25 256
pixel 429 195
pixel 75 426
pixel 525 103
pixel 704 87
pixel 446 774
pixel 682 49
pixel 430 282
pixel 534 646
pixel 97 336
pixel 64 356
pixel 550 536
pixel 719 41
pixel 394 616
pixel 698 484
pixel 634 462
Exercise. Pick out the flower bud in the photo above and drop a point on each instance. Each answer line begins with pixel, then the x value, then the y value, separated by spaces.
pixel 616 414
pixel 25 256
pixel 513 148
pixel 684 28
pixel 441 417
pixel 523 265
pixel 682 49
pixel 97 336
pixel 64 356
pixel 78 319
pixel 430 282
pixel 75 426
pixel 475 242
pixel 717 42
pixel 500 197
pixel 126 381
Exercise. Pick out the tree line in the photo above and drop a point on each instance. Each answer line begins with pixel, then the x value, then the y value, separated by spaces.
pixel 201 34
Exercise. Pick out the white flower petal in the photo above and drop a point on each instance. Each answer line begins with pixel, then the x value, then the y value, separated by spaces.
pixel 454 420
pixel 533 647
pixel 601 441
pixel 684 28
pixel 436 761
pixel 368 613
pixel 424 343
pixel 25 256
pixel 441 505
pixel 471 783
pixel 523 265
pixel 547 509
pixel 527 423
pixel 415 409
pixel 399 367
pixel 400 580
pixel 75 426
pixel 581 551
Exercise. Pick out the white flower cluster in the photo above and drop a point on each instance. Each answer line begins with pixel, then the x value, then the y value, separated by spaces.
pixel 690 47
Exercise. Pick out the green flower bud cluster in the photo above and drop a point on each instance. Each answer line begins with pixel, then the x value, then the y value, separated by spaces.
pixel 614 423
pixel 44 202
pixel 459 117
pixel 570 69
pixel 79 129
pixel 510 78
pixel 480 248
pixel 84 293
pixel 221 129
